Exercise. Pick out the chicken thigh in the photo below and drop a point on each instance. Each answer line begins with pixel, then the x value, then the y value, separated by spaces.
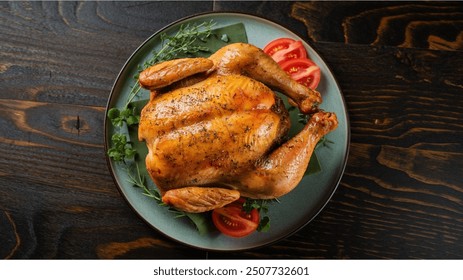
pixel 215 130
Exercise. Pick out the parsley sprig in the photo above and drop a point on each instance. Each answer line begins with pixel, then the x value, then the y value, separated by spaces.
pixel 121 149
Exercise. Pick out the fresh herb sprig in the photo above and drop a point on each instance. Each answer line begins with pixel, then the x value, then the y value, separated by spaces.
pixel 261 205
pixel 127 115
pixel 181 44
pixel 121 148
pixel 139 181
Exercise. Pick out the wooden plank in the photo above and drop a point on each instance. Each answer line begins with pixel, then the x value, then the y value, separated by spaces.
pixel 401 195
pixel 432 25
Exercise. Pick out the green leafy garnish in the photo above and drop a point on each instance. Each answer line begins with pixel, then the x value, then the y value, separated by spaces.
pixel 127 115
pixel 139 181
pixel 324 142
pixel 264 224
pixel 121 148
pixel 184 43
pixel 261 206
pixel 199 220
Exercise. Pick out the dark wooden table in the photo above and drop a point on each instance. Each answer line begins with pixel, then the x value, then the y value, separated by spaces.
pixel 399 66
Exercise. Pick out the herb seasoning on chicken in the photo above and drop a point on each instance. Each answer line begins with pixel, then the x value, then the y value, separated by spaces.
pixel 214 128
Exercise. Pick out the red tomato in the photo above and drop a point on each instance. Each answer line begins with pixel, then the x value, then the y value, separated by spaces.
pixel 284 49
pixel 304 71
pixel 233 221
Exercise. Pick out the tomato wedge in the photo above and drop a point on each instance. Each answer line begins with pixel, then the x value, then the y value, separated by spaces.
pixel 304 71
pixel 233 221
pixel 284 49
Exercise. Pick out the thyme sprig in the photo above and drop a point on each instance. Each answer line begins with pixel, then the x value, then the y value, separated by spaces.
pixel 181 44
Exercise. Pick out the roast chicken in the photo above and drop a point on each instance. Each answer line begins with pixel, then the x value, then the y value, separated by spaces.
pixel 216 131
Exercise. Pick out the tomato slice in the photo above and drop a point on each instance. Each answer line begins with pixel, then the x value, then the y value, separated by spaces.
pixel 304 71
pixel 233 221
pixel 284 49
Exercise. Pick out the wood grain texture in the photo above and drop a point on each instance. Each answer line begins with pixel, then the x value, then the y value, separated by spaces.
pixel 399 68
pixel 402 192
pixel 434 25
pixel 58 63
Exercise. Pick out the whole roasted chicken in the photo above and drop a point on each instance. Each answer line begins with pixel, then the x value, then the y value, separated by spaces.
pixel 215 130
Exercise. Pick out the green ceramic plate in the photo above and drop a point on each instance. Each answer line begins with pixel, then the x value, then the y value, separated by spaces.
pixel 295 209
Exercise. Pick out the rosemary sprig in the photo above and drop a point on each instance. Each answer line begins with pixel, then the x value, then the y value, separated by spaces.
pixel 137 180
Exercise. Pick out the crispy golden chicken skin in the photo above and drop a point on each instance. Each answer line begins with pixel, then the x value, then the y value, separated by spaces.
pixel 214 128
